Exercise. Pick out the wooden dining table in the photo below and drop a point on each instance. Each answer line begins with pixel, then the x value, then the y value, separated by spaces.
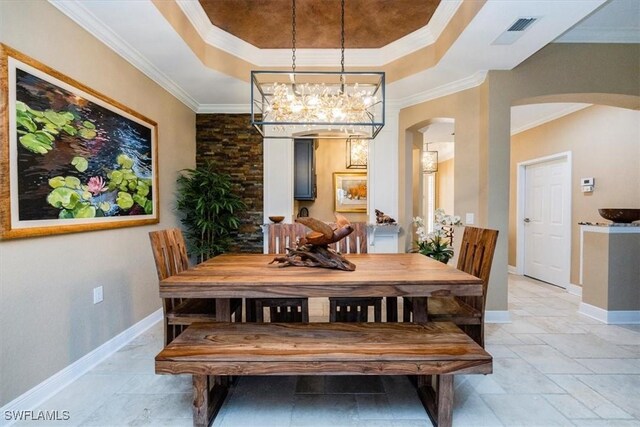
pixel 376 275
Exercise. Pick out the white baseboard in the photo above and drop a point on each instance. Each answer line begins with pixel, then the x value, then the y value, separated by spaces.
pixel 36 396
pixel 613 317
pixel 574 289
pixel 511 269
pixel 497 316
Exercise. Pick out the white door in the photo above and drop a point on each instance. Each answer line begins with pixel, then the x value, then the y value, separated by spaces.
pixel 547 219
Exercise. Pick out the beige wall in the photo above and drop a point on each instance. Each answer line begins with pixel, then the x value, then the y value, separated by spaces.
pixel 330 158
pixel 605 144
pixel 417 179
pixel 445 187
pixel 611 270
pixel 595 73
pixel 46 311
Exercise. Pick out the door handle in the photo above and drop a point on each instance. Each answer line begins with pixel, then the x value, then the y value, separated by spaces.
pixel 527 220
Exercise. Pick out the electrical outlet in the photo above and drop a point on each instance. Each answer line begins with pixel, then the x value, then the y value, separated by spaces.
pixel 470 219
pixel 98 295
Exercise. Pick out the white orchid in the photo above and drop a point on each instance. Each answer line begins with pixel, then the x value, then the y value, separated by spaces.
pixel 437 244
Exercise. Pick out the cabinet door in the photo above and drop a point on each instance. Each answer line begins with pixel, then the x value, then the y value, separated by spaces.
pixel 304 170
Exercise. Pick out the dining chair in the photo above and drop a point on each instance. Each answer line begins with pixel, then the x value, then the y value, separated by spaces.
pixel 170 255
pixel 475 257
pixel 356 309
pixel 282 310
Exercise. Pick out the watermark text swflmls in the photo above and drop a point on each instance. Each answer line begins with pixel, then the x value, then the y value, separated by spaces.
pixel 37 415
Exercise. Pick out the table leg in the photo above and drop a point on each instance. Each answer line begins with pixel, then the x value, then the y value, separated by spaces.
pixel 223 309
pixel 420 310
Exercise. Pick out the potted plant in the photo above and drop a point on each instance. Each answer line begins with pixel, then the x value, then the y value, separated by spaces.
pixel 209 209
pixel 437 244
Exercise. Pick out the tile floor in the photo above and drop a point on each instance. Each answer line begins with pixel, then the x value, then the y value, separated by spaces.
pixel 552 366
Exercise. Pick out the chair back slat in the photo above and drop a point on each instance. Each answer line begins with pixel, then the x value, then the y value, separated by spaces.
pixel 170 255
pixel 282 236
pixel 475 257
pixel 354 243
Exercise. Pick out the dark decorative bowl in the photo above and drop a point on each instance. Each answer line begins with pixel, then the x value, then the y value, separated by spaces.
pixel 276 219
pixel 620 215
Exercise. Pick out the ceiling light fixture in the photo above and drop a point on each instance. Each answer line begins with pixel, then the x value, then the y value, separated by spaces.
pixel 342 103
pixel 429 160
pixel 357 153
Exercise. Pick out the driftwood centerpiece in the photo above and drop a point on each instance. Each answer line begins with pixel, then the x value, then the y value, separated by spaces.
pixel 313 250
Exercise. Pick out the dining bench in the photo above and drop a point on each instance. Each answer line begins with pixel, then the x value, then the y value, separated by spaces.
pixel 212 351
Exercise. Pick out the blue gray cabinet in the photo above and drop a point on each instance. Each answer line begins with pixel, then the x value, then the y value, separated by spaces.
pixel 304 167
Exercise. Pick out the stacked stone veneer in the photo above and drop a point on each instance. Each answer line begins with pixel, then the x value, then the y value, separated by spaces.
pixel 235 147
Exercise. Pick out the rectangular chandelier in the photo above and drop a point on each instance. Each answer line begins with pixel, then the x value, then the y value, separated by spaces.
pixel 357 153
pixel 339 105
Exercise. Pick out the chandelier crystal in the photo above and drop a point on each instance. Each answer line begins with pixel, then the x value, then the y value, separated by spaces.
pixel 343 103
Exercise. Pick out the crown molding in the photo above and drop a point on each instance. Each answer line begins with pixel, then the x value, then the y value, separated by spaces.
pixel 318 57
pixel 469 82
pixel 224 109
pixel 83 17
pixel 600 35
pixel 550 117
pixel 87 20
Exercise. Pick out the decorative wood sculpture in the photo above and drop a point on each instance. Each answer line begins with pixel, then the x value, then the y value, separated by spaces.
pixel 313 249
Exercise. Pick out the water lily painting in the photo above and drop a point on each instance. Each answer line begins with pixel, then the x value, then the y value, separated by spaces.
pixel 75 159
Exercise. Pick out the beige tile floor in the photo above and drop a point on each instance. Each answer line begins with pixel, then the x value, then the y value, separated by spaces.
pixel 552 366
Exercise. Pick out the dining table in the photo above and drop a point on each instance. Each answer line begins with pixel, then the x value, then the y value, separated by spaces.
pixel 376 275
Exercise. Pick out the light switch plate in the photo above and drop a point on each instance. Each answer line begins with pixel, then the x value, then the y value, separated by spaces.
pixel 469 218
pixel 98 295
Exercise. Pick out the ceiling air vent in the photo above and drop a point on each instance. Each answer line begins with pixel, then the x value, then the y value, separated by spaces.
pixel 522 24
pixel 515 31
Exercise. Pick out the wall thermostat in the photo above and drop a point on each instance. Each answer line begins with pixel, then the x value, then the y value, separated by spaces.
pixel 587 184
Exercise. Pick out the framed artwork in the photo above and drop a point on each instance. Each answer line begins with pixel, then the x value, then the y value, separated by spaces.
pixel 71 159
pixel 350 191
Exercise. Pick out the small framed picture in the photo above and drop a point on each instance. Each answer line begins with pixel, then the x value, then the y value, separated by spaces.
pixel 350 191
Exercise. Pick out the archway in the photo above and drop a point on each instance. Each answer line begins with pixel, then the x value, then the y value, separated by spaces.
pixel 601 137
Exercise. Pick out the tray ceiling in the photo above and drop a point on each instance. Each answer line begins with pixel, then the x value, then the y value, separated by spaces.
pixel 368 23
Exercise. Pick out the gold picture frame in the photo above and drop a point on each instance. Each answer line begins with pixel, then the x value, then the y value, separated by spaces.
pixel 350 191
pixel 71 158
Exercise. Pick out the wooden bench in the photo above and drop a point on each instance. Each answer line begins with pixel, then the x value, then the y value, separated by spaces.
pixel 226 349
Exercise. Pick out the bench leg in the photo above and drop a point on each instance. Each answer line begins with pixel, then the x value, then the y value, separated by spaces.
pixel 438 402
pixel 208 397
pixel 445 400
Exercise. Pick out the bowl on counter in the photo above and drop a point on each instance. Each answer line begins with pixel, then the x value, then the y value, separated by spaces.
pixel 276 219
pixel 620 215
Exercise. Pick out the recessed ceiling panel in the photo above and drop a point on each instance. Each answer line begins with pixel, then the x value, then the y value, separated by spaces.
pixel 368 23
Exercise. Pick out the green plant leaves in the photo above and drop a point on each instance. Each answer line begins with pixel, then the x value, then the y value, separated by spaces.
pixel 63 197
pixel 209 208
pixel 56 182
pixel 40 127
pixel 87 133
pixel 36 143
pixel 125 161
pixel 25 121
pixel 80 163
pixel 84 210
pixel 124 200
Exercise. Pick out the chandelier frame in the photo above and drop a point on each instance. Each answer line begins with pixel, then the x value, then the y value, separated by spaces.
pixel 298 98
pixel 262 83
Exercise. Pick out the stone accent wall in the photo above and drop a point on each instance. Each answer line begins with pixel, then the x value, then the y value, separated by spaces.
pixel 235 147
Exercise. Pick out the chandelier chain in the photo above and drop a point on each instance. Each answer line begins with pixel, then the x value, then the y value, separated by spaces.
pixel 342 36
pixel 293 37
